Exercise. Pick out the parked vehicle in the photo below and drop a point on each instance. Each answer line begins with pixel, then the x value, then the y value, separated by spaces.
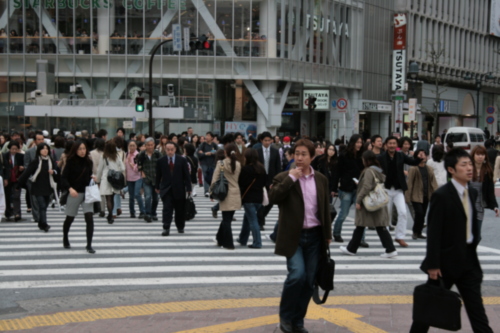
pixel 465 137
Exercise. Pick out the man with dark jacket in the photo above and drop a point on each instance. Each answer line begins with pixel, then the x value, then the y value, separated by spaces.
pixel 206 155
pixel 392 162
pixel 304 232
pixel 491 151
pixel 270 158
pixel 452 239
pixel 29 156
pixel 172 182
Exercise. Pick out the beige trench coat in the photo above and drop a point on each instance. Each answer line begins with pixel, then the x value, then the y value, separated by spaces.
pixel 367 183
pixel 233 199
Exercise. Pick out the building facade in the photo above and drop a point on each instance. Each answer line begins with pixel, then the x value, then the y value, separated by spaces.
pixel 251 61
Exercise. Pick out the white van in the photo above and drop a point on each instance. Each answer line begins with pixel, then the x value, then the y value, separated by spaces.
pixel 465 137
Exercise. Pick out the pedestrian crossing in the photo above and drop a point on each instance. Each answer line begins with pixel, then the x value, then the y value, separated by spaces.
pixel 132 253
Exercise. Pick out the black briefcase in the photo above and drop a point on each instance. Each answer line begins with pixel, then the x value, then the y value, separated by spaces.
pixel 436 306
pixel 324 277
pixel 190 209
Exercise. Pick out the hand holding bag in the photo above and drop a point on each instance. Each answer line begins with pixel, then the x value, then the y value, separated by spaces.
pixel 219 188
pixel 190 208
pixel 377 198
pixel 92 193
pixel 324 277
pixel 436 306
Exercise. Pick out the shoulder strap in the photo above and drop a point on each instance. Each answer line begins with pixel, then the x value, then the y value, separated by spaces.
pixel 248 188
pixel 374 176
pixel 106 161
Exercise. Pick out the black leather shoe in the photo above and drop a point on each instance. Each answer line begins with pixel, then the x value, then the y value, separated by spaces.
pixel 110 220
pixel 132 216
pixel 154 218
pixel 391 228
pixel 17 218
pixel 148 219
pixel 101 214
pixel 180 231
pixel 286 326
pixel 66 244
pixel 165 233
pixel 141 216
pixel 364 244
pixel 262 228
pixel 301 329
pixel 46 228
pixel 253 247
pixel 214 214
pixel 90 250
pixel 338 239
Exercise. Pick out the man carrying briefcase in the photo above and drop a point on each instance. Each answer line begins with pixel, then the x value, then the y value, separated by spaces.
pixel 452 239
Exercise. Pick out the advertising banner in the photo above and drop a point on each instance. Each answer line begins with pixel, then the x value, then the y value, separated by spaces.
pixel 399 53
pixel 244 128
pixel 412 109
pixel 399 32
pixel 322 99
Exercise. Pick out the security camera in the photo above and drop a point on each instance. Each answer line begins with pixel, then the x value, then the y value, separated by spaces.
pixel 36 93
pixel 78 86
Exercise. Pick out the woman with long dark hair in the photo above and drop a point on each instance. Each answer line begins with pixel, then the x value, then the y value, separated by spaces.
pixel 109 161
pixel 252 180
pixel 75 178
pixel 378 219
pixel 349 168
pixel 231 168
pixel 42 171
pixel 482 181
pixel 327 164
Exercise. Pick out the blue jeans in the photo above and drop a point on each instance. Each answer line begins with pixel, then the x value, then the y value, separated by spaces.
pixel 151 199
pixel 135 194
pixel 347 199
pixel 208 172
pixel 299 284
pixel 251 223
pixel 117 202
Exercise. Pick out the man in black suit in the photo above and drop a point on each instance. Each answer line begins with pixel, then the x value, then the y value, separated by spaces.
pixel 270 158
pixel 452 239
pixel 172 183
pixel 392 163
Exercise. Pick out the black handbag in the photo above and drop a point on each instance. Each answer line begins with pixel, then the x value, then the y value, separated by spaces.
pixel 436 306
pixel 190 209
pixel 324 277
pixel 115 178
pixel 219 188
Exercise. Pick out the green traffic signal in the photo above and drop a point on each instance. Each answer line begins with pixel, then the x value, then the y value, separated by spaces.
pixel 139 104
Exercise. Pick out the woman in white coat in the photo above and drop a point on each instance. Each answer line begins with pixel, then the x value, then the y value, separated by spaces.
pixel 109 161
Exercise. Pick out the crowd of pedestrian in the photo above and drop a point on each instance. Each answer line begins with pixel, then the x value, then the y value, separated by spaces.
pixel 302 176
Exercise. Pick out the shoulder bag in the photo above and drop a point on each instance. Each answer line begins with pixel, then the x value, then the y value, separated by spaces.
pixel 115 178
pixel 219 188
pixel 190 208
pixel 376 198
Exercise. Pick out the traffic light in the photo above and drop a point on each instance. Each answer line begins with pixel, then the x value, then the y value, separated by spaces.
pixel 139 104
pixel 311 103
pixel 200 44
pixel 207 45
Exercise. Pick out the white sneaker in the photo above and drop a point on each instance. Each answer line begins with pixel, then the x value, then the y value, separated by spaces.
pixel 389 255
pixel 207 194
pixel 215 241
pixel 344 250
pixel 194 195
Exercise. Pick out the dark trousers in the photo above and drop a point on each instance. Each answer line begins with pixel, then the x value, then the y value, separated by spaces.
pixel 383 234
pixel 420 211
pixel 262 213
pixel 225 233
pixel 170 204
pixel 43 203
pixel 469 287
pixel 299 283
pixel 12 200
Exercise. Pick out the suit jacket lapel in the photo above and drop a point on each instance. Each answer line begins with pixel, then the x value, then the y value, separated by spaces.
pixel 456 199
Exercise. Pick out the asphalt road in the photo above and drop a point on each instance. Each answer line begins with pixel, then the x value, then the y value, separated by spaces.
pixel 134 264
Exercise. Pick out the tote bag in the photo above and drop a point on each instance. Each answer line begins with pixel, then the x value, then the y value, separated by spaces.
pixel 92 193
pixel 376 198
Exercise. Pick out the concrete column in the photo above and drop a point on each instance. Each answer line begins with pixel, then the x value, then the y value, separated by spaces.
pixel 273 121
pixel 105 26
pixel 268 27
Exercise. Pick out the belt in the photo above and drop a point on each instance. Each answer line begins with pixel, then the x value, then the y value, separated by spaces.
pixel 311 230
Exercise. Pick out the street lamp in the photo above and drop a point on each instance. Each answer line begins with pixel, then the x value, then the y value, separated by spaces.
pixel 413 74
pixel 479 84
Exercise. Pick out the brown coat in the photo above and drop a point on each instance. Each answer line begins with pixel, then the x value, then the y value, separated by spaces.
pixel 415 185
pixel 233 199
pixel 367 183
pixel 287 194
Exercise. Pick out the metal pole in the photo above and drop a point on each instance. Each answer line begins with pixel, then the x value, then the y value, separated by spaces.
pixel 478 89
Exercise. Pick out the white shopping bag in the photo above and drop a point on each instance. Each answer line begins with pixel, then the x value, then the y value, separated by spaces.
pixel 92 193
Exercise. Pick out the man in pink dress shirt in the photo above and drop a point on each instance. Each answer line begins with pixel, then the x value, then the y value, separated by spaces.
pixel 304 232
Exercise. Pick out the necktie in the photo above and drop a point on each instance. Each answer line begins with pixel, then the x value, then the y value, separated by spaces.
pixel 465 203
pixel 171 164
pixel 266 159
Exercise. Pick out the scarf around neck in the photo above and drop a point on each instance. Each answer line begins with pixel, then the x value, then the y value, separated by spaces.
pixel 37 172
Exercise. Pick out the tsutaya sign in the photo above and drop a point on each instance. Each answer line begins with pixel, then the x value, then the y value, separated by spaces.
pixel 399 53
pixel 97 4
pixel 327 24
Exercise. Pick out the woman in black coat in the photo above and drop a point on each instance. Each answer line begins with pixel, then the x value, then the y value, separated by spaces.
pixel 327 164
pixel 42 171
pixel 13 166
pixel 252 180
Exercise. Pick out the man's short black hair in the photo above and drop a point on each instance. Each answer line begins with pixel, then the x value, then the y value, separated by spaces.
pixel 131 135
pixel 405 139
pixel 391 137
pixel 101 133
pixel 375 137
pixel 120 129
pixel 266 135
pixel 209 133
pixel 451 158
pixel 237 134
